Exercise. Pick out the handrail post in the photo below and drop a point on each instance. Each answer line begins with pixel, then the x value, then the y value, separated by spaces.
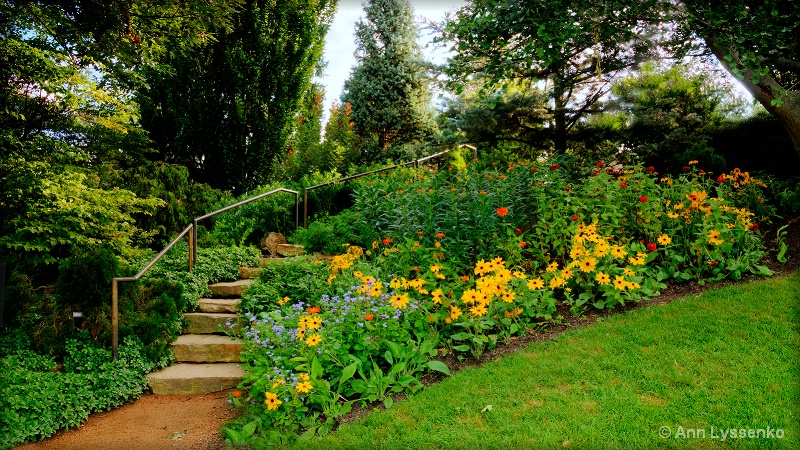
pixel 305 208
pixel 193 248
pixel 114 319
pixel 296 210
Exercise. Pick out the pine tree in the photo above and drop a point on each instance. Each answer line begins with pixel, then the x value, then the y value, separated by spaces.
pixel 388 89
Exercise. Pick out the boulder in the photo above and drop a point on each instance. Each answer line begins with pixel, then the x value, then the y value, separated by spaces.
pixel 271 241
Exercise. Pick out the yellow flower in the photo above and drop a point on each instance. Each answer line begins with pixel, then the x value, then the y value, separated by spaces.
pixel 602 278
pixel 672 215
pixel 628 272
pixel 588 264
pixel 481 267
pixel 713 234
pixel 272 401
pixel 520 275
pixel 313 340
pixel 638 261
pixel 567 273
pixel 664 240
pixel 437 296
pixel 303 322
pixel 535 284
pixel 399 301
pixel 469 296
pixel 618 252
pixel 277 383
pixel 498 263
pixel 601 249
pixel 303 377
pixel 694 161
pixel 552 267
pixel 619 283
pixel 303 387
pixel 435 268
pixel 557 282
pixel 508 297
pixel 314 322
pixel 455 313
pixel 478 310
pixel 283 301
pixel 300 334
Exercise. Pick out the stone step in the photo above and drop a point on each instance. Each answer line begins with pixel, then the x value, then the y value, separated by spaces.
pixel 206 348
pixel 219 305
pixel 289 250
pixel 250 272
pixel 208 323
pixel 189 379
pixel 229 288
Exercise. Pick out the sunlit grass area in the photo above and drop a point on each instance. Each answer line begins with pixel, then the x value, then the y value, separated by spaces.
pixel 725 359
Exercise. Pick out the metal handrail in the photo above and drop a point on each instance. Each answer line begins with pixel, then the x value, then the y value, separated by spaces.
pixel 382 169
pixel 193 256
pixel 115 288
pixel 191 229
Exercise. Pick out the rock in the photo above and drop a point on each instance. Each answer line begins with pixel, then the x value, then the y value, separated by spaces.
pixel 188 379
pixel 230 288
pixel 208 323
pixel 219 305
pixel 289 250
pixel 206 348
pixel 250 272
pixel 271 241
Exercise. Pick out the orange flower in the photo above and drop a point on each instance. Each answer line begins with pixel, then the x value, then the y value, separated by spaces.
pixel 369 317
pixel 439 235
pixel 522 244
pixel 313 310
pixel 237 393
pixel 387 241
pixel 502 211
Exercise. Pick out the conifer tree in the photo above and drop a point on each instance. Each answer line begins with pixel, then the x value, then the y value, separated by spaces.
pixel 388 88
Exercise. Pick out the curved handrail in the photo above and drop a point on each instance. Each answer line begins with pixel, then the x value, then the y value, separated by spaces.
pixel 191 230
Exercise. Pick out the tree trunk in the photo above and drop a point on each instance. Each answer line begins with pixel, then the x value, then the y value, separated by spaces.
pixel 765 91
pixel 559 116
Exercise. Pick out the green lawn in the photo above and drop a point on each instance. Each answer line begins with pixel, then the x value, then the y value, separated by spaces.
pixel 728 358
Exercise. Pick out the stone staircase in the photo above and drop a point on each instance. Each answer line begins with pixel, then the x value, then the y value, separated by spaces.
pixel 206 359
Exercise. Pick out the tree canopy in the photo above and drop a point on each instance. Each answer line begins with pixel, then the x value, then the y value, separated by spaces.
pixel 756 41
pixel 388 89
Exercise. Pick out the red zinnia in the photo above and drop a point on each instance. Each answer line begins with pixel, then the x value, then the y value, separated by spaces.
pixel 643 199
pixel 599 164
pixel 651 247
pixel 650 169
pixel 534 169
pixel 753 227
pixel 575 218
pixel 518 231
pixel 555 167
pixel 721 178
pixel 502 211
pixel 685 168
pixel 387 241
pixel 623 185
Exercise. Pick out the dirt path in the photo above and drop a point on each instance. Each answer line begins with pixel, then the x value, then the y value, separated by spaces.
pixel 151 422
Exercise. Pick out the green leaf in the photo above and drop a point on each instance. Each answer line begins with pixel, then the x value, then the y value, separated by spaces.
pixel 316 369
pixel 438 366
pixel 348 373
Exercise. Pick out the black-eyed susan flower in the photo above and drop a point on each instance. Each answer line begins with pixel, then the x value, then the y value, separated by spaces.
pixel 303 387
pixel 602 278
pixel 620 283
pixel 313 340
pixel 399 301
pixel 455 313
pixel 534 284
pixel 588 265
pixel 664 240
pixel 272 401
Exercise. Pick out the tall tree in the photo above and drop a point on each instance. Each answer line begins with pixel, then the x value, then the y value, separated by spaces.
pixel 755 40
pixel 227 109
pixel 388 89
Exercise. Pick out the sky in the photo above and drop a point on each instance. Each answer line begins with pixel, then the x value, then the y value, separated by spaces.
pixel 340 43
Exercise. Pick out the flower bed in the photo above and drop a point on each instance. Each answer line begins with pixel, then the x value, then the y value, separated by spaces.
pixel 462 261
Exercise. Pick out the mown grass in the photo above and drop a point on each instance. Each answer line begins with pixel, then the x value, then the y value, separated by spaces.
pixel 727 358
